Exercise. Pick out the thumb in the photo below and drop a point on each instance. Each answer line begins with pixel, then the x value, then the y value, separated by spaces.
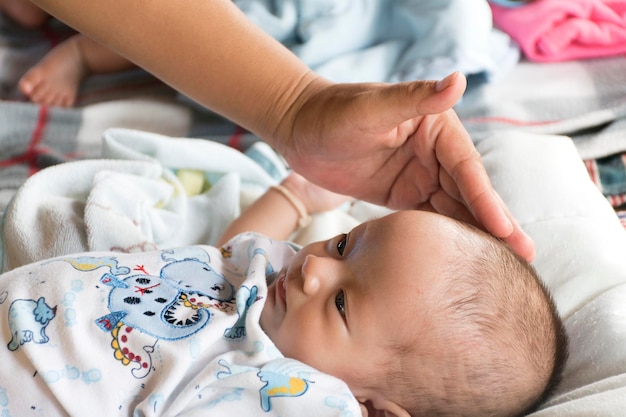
pixel 404 101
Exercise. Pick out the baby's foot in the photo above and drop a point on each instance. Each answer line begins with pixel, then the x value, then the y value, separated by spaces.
pixel 55 80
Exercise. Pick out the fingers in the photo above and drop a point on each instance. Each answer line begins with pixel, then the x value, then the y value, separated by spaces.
pixel 460 160
pixel 404 101
pixel 450 202
pixel 493 214
pixel 442 203
pixel 519 241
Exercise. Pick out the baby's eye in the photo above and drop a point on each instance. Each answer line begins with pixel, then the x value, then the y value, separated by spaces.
pixel 340 302
pixel 341 245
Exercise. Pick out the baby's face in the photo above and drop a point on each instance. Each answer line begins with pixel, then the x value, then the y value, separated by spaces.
pixel 342 305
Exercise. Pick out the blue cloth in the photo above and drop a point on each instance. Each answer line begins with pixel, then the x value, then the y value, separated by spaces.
pixel 509 3
pixel 387 40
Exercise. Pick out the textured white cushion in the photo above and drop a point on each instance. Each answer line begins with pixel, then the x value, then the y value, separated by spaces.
pixel 581 255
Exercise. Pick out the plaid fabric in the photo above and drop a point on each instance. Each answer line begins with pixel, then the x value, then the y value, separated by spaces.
pixel 609 174
pixel 33 137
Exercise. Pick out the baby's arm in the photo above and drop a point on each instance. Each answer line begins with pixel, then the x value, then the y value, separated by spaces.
pixel 279 211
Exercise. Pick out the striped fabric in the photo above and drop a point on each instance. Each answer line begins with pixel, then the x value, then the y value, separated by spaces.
pixel 609 174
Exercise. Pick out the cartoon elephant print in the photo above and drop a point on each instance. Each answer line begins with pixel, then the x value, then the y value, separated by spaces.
pixel 28 320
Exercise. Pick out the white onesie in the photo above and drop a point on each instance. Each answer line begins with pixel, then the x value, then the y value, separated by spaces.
pixel 162 333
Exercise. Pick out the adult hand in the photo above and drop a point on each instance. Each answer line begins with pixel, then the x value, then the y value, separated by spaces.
pixel 401 146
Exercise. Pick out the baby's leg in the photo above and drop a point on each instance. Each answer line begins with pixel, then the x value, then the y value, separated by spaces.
pixel 24 13
pixel 56 79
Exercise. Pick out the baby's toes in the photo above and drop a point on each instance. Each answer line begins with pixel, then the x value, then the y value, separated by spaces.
pixel 29 82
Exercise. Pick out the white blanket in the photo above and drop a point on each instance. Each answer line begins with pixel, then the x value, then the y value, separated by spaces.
pixel 134 201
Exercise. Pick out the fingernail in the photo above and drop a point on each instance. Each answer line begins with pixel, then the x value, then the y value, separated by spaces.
pixel 445 83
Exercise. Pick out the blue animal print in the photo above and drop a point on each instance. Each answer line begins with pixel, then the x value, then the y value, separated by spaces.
pixel 28 320
pixel 282 378
pixel 245 298
pixel 232 396
pixel 152 304
pixel 269 269
pixel 147 304
pixel 340 403
pixel 186 252
pixel 192 275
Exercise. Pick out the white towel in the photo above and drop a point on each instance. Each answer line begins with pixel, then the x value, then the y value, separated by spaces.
pixel 132 201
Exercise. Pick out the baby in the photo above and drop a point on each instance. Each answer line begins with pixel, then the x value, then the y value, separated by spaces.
pixel 417 313
pixel 433 316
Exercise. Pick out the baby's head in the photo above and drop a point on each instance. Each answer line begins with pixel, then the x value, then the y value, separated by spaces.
pixel 422 314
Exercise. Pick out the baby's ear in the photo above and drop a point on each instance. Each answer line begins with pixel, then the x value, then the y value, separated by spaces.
pixel 383 408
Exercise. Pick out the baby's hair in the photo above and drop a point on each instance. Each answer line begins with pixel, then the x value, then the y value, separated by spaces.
pixel 495 303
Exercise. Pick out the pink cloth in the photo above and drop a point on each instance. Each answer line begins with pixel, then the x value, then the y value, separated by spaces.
pixel 561 30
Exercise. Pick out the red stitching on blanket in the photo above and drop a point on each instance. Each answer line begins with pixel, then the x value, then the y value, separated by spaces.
pixel 234 141
pixel 508 121
pixel 30 156
pixel 592 169
pixel 42 121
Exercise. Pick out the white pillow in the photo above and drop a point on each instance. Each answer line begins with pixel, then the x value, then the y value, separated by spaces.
pixel 581 255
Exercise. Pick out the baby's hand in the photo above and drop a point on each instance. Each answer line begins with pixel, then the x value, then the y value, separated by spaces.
pixel 316 199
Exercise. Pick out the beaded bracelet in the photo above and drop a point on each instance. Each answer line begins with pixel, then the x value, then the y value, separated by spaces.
pixel 304 219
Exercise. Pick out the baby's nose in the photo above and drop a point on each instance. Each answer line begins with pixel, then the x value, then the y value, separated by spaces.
pixel 310 275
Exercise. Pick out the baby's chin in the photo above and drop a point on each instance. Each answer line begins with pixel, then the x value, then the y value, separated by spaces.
pixel 266 318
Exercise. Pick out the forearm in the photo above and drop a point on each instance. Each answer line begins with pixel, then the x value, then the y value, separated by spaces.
pixel 206 49
pixel 272 215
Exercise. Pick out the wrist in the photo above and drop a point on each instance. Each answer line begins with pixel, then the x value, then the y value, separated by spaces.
pixel 286 111
pixel 304 219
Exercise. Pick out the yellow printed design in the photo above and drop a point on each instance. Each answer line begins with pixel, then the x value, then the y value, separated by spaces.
pixel 282 377
pixel 279 385
pixel 91 263
pixel 122 344
pixel 295 386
